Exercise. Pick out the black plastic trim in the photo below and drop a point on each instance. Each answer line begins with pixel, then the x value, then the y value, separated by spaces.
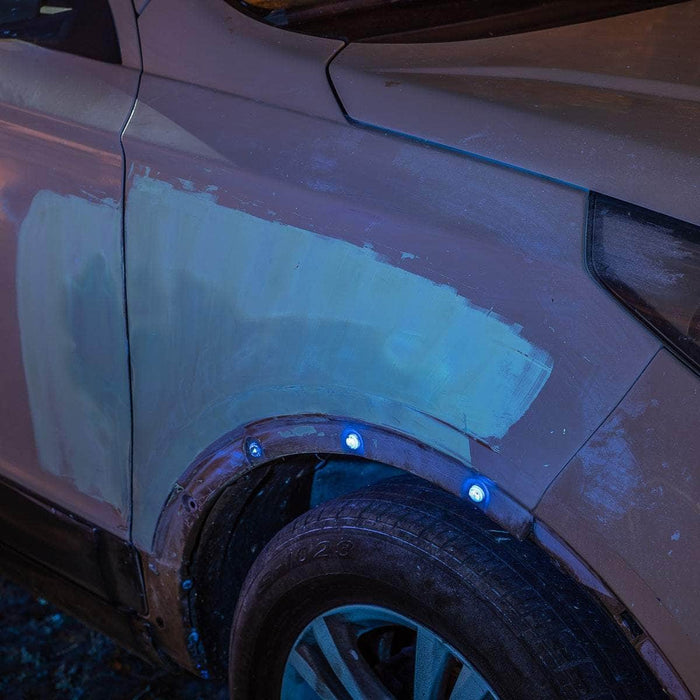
pixel 682 347
pixel 94 559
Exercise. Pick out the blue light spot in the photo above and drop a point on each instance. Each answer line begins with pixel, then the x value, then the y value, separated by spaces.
pixel 352 441
pixel 478 491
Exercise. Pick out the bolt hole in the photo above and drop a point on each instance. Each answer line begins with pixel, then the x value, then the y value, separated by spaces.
pixel 159 622
pixel 189 502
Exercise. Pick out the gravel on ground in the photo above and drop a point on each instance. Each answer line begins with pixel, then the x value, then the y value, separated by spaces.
pixel 48 655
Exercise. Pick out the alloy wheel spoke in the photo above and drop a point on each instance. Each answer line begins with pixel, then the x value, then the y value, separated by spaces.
pixel 431 659
pixel 470 686
pixel 357 652
pixel 336 639
pixel 313 668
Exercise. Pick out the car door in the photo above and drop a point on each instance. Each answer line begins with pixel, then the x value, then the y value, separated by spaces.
pixel 68 79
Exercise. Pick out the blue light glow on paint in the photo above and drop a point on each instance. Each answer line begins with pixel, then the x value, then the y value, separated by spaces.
pixel 255 449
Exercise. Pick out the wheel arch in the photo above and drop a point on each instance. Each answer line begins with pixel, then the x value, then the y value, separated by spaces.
pixel 215 492
pixel 248 485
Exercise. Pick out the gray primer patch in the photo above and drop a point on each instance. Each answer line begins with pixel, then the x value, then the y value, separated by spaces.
pixel 70 309
pixel 236 318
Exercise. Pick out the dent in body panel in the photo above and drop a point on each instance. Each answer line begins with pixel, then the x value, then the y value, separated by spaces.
pixel 71 316
pixel 247 318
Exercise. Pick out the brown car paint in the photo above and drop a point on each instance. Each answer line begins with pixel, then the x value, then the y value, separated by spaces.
pixel 628 504
pixel 65 406
pixel 609 105
pixel 236 147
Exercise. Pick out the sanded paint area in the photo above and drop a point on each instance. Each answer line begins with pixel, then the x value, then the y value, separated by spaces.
pixel 70 311
pixel 271 319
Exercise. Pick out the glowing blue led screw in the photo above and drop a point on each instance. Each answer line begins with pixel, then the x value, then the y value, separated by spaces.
pixel 476 493
pixel 352 440
pixel 478 490
pixel 255 449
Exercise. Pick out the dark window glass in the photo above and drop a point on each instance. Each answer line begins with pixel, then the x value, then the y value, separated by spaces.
pixel 431 20
pixel 82 27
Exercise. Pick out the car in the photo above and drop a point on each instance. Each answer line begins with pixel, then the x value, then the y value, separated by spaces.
pixel 350 349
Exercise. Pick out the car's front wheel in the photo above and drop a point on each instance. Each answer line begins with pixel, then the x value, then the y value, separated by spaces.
pixel 403 591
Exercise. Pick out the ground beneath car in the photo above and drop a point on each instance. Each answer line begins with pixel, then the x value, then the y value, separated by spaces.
pixel 44 653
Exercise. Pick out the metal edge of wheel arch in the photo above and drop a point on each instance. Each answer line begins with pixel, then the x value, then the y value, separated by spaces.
pixel 250 450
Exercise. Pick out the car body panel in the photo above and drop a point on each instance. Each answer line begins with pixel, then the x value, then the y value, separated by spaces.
pixel 416 271
pixel 251 226
pixel 124 16
pixel 609 105
pixel 629 504
pixel 242 57
pixel 65 406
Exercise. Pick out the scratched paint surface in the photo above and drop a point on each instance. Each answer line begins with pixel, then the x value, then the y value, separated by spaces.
pixel 69 305
pixel 256 318
pixel 629 504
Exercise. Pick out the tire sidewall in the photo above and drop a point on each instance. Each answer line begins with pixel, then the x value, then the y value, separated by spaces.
pixel 300 577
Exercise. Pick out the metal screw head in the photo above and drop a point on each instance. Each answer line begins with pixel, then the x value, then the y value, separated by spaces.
pixel 352 440
pixel 255 449
pixel 476 493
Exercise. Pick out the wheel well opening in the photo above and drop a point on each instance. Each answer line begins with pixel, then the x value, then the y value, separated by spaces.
pixel 252 510
pixel 246 516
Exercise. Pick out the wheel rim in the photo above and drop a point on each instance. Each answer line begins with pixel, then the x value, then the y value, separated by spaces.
pixel 360 652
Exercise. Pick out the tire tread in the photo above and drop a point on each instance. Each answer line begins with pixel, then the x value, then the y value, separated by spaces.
pixel 567 632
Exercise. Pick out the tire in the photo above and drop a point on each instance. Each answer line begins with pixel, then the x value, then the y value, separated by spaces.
pixel 500 605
